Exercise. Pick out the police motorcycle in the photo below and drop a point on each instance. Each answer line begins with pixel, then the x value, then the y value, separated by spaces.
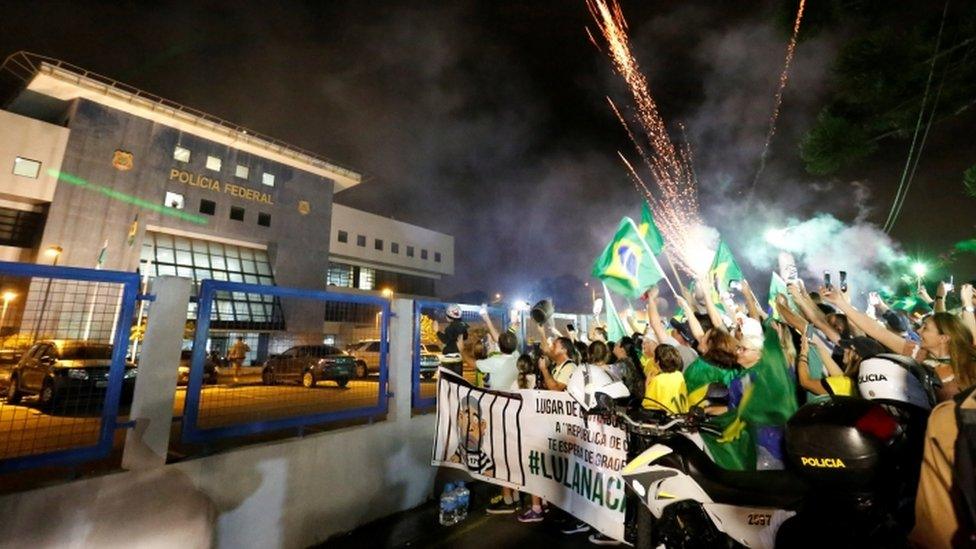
pixel 851 468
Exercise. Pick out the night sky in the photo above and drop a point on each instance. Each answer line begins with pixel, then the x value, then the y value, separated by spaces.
pixel 487 120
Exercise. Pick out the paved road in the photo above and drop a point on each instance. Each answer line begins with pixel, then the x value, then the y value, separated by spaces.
pixel 26 430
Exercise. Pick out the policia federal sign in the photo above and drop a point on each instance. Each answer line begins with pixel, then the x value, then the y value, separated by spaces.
pixel 204 182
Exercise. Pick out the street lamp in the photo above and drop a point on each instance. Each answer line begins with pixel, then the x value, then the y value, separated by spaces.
pixel 7 298
pixel 55 253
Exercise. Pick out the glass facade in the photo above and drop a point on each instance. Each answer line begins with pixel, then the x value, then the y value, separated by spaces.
pixel 164 254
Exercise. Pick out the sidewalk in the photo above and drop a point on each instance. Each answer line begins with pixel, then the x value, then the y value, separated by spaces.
pixel 419 528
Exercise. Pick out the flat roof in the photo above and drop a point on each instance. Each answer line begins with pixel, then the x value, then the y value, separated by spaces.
pixel 64 81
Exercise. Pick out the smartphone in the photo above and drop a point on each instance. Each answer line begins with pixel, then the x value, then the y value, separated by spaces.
pixel 735 285
pixel 826 280
pixel 843 281
pixel 570 327
pixel 949 286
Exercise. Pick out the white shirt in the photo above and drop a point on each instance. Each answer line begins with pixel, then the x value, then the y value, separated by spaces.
pixel 502 370
pixel 563 372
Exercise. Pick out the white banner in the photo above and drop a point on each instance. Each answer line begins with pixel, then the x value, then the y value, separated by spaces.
pixel 537 442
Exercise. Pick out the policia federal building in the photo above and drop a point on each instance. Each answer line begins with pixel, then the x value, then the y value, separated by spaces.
pixel 108 173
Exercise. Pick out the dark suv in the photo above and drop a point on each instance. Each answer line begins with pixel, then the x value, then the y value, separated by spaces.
pixel 309 364
pixel 66 370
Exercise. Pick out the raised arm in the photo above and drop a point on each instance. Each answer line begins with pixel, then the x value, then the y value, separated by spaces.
pixel 803 370
pixel 708 284
pixel 492 332
pixel 755 311
pixel 966 295
pixel 795 321
pixel 693 323
pixel 868 325
pixel 653 316
pixel 940 298
pixel 812 313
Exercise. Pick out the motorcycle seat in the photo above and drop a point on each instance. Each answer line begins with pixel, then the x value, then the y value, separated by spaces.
pixel 779 489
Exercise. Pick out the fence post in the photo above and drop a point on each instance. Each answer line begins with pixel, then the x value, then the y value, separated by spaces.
pixel 147 444
pixel 399 361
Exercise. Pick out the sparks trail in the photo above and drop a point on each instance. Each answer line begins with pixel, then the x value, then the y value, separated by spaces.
pixel 778 99
pixel 676 200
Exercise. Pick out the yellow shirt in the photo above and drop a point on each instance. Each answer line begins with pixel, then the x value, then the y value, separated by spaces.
pixel 666 391
pixel 650 367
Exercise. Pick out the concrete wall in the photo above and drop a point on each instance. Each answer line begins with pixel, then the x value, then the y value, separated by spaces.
pixel 291 493
pixel 36 140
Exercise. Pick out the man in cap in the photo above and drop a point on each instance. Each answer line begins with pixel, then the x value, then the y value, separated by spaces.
pixel 449 338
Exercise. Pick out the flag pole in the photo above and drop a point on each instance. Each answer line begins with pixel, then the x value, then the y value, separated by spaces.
pixel 673 270
pixel 653 257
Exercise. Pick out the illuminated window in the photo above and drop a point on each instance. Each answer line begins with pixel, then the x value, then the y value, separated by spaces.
pixel 181 154
pixel 361 241
pixel 437 257
pixel 409 251
pixel 423 254
pixel 241 172
pixel 213 163
pixel 173 200
pixel 198 259
pixel 367 278
pixel 378 244
pixel 26 167
pixel 394 247
pixel 340 275
pixel 343 236
pixel 208 207
pixel 264 219
pixel 268 179
pixel 237 213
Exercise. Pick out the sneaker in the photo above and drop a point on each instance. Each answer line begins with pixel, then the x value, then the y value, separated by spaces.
pixel 501 508
pixel 600 539
pixel 575 527
pixel 530 516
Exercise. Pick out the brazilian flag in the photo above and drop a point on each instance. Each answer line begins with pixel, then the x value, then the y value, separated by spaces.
pixel 615 326
pixel 777 286
pixel 649 231
pixel 627 265
pixel 724 269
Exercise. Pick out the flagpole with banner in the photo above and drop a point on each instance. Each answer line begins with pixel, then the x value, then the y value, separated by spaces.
pixel 657 264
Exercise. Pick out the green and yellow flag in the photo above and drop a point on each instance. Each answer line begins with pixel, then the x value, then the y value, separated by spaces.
pixel 649 231
pixel 777 286
pixel 615 326
pixel 627 265
pixel 724 269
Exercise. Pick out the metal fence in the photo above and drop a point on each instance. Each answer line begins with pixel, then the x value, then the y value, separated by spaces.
pixel 64 340
pixel 428 318
pixel 248 378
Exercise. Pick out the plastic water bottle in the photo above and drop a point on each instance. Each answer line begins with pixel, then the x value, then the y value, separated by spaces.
pixel 448 509
pixel 463 498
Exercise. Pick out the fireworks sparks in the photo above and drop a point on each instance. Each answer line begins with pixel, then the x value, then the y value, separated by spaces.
pixel 675 203
pixel 778 99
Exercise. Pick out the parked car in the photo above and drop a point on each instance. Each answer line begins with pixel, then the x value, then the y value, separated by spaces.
pixel 209 369
pixel 367 354
pixel 430 360
pixel 309 364
pixel 69 369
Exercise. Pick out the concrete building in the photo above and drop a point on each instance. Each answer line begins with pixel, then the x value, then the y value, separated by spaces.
pixel 117 177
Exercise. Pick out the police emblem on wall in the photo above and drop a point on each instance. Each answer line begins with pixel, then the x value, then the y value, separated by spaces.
pixel 304 207
pixel 122 160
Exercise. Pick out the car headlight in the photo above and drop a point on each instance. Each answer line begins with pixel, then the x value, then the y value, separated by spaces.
pixel 77 374
pixel 130 373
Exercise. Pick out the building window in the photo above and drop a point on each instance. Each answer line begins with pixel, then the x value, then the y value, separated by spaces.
pixel 268 179
pixel 197 259
pixel 340 275
pixel 264 219
pixel 437 257
pixel 173 200
pixel 378 244
pixel 181 154
pixel 241 172
pixel 423 254
pixel 409 251
pixel 213 163
pixel 343 236
pixel 367 278
pixel 25 167
pixel 394 247
pixel 208 207
pixel 21 229
pixel 237 213
pixel 361 241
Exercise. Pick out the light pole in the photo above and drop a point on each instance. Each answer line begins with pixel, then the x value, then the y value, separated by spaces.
pixel 55 252
pixel 7 298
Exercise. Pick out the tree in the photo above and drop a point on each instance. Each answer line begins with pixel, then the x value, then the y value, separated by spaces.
pixel 881 74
